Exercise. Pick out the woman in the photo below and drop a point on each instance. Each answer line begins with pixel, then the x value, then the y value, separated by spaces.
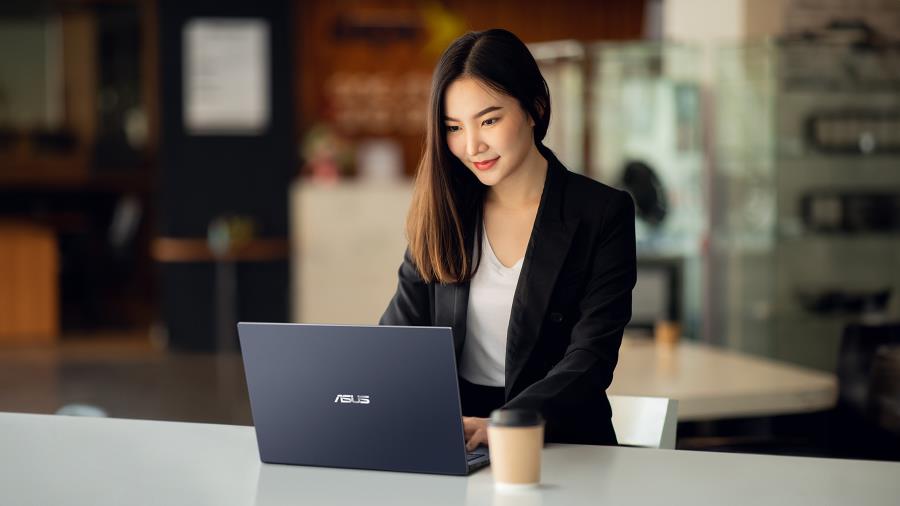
pixel 531 265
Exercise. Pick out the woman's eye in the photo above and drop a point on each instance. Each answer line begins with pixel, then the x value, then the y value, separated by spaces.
pixel 452 128
pixel 491 121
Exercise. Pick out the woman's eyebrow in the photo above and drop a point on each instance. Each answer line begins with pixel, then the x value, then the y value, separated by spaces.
pixel 481 113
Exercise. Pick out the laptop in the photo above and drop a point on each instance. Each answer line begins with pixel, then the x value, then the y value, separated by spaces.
pixel 362 397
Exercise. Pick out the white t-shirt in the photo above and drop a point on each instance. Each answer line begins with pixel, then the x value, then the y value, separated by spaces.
pixel 491 293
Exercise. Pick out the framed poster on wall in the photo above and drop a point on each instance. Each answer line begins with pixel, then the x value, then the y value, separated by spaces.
pixel 226 76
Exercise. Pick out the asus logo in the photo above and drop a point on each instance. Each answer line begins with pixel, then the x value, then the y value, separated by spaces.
pixel 351 399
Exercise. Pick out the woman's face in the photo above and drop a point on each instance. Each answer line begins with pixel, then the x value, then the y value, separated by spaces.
pixel 482 125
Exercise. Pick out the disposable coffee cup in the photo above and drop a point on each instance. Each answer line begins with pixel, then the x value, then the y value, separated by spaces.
pixel 515 437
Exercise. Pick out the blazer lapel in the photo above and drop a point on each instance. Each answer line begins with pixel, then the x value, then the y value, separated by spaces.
pixel 451 305
pixel 551 237
pixel 460 314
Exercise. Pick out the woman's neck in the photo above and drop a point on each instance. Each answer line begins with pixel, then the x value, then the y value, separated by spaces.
pixel 524 186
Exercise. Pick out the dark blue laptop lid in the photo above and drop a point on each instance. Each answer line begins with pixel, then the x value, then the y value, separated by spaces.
pixel 367 397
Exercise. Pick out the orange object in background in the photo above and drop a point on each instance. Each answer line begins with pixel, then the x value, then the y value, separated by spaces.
pixel 29 284
pixel 667 332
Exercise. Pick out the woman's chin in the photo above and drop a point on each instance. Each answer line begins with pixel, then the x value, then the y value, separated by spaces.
pixel 488 178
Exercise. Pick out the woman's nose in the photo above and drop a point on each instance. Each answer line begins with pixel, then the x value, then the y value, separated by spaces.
pixel 474 145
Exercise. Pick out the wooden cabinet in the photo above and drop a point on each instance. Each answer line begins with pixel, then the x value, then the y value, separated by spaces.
pixel 29 286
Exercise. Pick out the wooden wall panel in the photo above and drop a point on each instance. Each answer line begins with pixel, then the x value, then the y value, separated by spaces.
pixel 321 52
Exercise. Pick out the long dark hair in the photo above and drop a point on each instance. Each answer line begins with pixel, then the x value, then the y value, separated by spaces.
pixel 447 203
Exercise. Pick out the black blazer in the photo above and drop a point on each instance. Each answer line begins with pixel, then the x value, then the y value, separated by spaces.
pixel 570 307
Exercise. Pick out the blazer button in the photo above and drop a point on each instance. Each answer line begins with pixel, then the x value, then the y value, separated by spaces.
pixel 556 317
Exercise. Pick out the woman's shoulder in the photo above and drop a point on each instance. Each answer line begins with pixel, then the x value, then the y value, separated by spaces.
pixel 592 199
pixel 590 187
pixel 587 199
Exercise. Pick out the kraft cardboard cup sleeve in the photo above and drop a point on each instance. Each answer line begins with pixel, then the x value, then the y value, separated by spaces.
pixel 515 438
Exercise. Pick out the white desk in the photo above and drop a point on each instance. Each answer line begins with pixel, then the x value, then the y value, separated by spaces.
pixel 711 383
pixel 48 460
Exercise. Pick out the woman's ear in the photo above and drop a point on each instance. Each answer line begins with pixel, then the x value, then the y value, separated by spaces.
pixel 539 110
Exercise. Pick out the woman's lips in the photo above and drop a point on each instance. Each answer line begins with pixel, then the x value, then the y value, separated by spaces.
pixel 486 164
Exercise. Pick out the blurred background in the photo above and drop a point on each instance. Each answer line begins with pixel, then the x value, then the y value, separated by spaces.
pixel 168 168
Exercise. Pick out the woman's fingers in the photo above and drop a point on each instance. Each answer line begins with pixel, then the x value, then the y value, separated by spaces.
pixel 479 438
pixel 475 430
pixel 469 426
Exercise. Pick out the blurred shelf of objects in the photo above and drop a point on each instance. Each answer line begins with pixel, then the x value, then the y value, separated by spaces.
pixel 807 207
pixel 78 140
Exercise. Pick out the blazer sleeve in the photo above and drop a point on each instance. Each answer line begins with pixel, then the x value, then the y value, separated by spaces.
pixel 572 394
pixel 410 304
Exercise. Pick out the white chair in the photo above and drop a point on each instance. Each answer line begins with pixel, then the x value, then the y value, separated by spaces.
pixel 644 421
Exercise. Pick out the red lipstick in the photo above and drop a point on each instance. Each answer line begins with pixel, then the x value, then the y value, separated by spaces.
pixel 486 164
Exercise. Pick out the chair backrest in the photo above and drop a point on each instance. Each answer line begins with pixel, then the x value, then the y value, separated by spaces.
pixel 650 422
pixel 863 425
pixel 859 346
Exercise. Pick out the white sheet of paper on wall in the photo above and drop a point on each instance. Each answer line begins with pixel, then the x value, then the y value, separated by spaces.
pixel 226 76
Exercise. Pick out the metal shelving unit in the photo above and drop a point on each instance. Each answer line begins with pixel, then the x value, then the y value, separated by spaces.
pixel 773 153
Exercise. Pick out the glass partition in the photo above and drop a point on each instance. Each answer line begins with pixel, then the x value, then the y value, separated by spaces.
pixel 646 136
pixel 806 204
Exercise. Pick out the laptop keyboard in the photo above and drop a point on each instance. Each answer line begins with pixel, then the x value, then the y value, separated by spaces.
pixel 472 456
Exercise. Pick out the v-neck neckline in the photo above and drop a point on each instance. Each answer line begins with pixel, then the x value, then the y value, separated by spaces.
pixel 493 256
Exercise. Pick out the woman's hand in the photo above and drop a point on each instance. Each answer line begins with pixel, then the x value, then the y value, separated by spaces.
pixel 475 430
